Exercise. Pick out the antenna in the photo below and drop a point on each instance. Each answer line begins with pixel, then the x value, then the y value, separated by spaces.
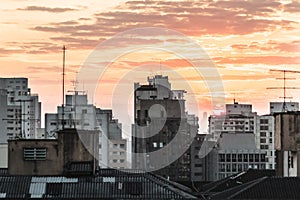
pixel 63 88
pixel 284 78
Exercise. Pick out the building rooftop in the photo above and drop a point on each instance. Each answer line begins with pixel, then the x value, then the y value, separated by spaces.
pixel 108 184
pixel 236 180
pixel 264 188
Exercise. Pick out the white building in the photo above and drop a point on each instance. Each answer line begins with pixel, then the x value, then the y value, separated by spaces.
pixel 79 114
pixel 264 136
pixel 239 119
pixel 21 113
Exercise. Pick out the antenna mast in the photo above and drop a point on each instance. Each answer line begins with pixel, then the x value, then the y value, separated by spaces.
pixel 284 78
pixel 63 89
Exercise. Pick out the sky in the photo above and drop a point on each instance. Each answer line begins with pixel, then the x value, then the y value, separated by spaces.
pixel 234 44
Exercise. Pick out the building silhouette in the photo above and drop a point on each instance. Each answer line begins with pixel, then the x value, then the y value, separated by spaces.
pixel 160 117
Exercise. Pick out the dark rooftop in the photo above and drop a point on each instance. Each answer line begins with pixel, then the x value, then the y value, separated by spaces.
pixel 108 184
pixel 236 180
pixel 264 188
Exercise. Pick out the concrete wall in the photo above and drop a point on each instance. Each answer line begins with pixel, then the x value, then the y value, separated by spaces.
pixel 53 164
pixel 71 146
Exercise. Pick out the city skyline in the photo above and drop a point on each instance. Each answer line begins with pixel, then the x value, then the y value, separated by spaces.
pixel 244 40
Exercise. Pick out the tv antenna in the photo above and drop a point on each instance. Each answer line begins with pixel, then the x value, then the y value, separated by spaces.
pixel 284 88
pixel 63 88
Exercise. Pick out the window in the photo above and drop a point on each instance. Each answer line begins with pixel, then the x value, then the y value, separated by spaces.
pixel 240 158
pixel 245 158
pixel 250 157
pixel 222 167
pixel 264 121
pixel 198 165
pixel 228 157
pixel 263 134
pixel 264 128
pixel 270 140
pixel 122 146
pixel 263 140
pixel 84 111
pixel 233 157
pixel 53 124
pixel 34 153
pixel 154 144
pixel 161 144
pixel 221 157
pixel 122 161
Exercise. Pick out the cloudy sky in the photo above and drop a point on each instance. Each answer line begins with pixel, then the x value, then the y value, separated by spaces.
pixel 244 40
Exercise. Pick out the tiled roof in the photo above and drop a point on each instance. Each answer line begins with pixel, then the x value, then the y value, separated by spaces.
pixel 109 184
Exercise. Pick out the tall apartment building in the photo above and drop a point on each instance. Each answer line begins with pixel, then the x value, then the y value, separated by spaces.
pixel 79 114
pixel 159 114
pixel 21 113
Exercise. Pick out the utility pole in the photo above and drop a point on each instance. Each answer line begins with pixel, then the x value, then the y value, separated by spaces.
pixel 284 88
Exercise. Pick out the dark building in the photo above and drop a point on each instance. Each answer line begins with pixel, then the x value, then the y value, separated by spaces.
pixel 163 132
pixel 54 156
pixel 287 143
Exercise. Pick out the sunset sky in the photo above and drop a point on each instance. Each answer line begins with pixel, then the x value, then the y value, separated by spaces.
pixel 244 39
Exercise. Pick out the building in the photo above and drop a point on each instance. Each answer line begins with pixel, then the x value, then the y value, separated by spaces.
pixel 79 114
pixel 238 118
pixel 21 112
pixel 233 153
pixel 163 132
pixel 287 143
pixel 264 137
pixel 72 147
pixel 254 135
pixel 278 107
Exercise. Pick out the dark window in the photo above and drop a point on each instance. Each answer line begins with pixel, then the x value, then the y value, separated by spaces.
pixel 233 157
pixel 240 158
pixel 245 157
pixel 264 128
pixel 228 157
pixel 198 165
pixel 263 134
pixel 264 121
pixel 262 140
pixel 221 157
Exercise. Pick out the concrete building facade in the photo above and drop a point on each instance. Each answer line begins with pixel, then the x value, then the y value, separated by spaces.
pixel 23 109
pixel 53 156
